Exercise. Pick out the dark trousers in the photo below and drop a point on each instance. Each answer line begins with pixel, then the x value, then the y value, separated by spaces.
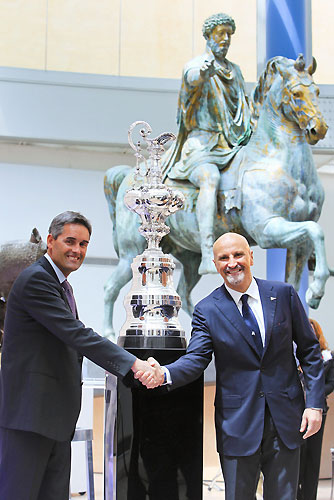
pixel 310 455
pixel 33 467
pixel 278 464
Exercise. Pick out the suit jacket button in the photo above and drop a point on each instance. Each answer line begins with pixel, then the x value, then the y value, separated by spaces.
pixel 261 394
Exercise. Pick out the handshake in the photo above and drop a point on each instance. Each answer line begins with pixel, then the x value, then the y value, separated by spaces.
pixel 149 372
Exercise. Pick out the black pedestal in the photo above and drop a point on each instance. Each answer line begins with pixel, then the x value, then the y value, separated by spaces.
pixel 159 440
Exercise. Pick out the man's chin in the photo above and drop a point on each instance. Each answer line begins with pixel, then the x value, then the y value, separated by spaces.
pixel 73 267
pixel 235 280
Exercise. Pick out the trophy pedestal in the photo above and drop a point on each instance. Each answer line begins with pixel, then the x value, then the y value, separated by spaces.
pixel 156 452
pixel 158 447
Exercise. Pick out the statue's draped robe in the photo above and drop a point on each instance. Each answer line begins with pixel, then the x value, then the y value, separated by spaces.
pixel 213 118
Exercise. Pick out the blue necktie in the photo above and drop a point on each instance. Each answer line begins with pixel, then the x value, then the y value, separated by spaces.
pixel 70 297
pixel 251 322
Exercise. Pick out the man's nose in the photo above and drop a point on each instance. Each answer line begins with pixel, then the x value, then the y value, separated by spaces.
pixel 232 262
pixel 76 248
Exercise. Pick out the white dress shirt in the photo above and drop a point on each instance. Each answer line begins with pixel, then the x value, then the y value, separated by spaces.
pixel 56 269
pixel 254 302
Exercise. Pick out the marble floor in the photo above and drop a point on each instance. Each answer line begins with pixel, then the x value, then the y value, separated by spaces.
pixel 215 493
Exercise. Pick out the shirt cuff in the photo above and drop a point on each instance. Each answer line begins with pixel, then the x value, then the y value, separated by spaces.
pixel 167 377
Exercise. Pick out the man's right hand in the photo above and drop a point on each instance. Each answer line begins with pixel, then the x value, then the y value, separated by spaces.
pixel 208 69
pixel 149 372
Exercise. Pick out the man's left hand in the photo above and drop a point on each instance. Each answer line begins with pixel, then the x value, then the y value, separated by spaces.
pixel 311 422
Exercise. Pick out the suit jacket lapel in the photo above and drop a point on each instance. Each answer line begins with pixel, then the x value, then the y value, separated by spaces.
pixel 228 307
pixel 47 266
pixel 269 303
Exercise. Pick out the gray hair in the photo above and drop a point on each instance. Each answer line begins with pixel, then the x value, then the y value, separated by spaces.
pixel 215 20
pixel 68 217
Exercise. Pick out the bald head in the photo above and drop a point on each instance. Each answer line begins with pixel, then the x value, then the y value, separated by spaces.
pixel 233 259
pixel 227 238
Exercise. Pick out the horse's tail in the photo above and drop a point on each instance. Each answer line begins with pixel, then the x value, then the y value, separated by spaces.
pixel 112 181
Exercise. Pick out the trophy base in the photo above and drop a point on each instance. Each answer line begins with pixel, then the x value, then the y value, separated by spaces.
pixel 158 443
pixel 135 339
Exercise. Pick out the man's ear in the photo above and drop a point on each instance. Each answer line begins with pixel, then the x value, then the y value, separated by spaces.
pixel 49 240
pixel 251 258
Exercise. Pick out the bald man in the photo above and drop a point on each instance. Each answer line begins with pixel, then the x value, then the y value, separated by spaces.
pixel 250 326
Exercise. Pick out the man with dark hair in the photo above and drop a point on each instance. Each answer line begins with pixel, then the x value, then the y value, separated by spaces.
pixel 214 123
pixel 40 378
pixel 69 217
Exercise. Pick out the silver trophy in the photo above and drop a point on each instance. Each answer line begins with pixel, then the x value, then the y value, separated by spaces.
pixel 152 305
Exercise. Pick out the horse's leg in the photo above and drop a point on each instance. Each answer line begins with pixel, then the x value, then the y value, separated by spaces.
pixel 120 277
pixel 189 277
pixel 281 233
pixel 296 259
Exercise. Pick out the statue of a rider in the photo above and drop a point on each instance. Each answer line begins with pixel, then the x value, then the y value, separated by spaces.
pixel 214 123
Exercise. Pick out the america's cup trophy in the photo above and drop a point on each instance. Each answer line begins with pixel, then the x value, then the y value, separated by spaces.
pixel 152 304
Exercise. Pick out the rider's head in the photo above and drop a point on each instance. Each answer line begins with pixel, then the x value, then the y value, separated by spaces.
pixel 216 20
pixel 217 30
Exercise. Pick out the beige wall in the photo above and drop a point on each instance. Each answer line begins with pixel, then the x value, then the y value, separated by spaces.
pixel 127 37
pixel 83 36
pixel 22 33
pixel 323 40
pixel 132 38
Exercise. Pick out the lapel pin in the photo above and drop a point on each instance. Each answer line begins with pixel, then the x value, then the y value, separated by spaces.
pixel 272 298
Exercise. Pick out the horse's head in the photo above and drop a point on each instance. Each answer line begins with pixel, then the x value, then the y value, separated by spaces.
pixel 298 95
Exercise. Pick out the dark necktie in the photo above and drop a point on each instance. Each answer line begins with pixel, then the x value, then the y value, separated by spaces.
pixel 251 322
pixel 70 297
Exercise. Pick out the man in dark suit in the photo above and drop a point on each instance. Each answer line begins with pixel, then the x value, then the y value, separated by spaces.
pixel 259 404
pixel 40 378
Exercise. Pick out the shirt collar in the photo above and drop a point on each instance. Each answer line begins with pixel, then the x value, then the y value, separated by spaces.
pixel 252 291
pixel 56 269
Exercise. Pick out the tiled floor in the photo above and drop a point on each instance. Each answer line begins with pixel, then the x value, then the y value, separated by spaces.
pixel 324 490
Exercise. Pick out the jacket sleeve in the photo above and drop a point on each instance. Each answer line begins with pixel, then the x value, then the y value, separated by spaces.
pixel 199 353
pixel 39 298
pixel 308 353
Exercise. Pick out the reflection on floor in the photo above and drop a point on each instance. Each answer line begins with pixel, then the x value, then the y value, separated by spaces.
pixel 216 493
